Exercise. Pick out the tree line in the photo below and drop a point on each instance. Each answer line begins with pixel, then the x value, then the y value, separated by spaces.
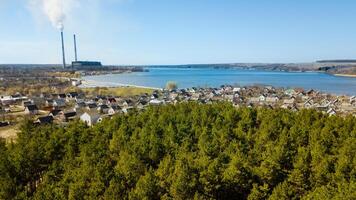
pixel 185 151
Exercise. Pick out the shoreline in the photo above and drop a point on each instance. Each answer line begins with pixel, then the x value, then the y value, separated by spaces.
pixel 346 75
pixel 94 84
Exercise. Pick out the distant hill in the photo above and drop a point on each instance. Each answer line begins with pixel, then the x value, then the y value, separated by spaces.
pixel 336 61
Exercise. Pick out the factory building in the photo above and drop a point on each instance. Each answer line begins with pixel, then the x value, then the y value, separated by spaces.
pixel 86 65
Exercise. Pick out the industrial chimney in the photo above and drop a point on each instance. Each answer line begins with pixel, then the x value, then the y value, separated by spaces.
pixel 63 53
pixel 75 48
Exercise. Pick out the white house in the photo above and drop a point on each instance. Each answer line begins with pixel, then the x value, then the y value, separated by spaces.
pixel 156 102
pixel 272 99
pixel 76 82
pixel 289 101
pixel 262 98
pixel 90 118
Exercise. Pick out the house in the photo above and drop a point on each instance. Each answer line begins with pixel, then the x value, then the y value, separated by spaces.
pixel 111 100
pixel 80 105
pixel 192 90
pixel 331 111
pixel 289 101
pixel 156 102
pixel 27 103
pixel 103 109
pixel 290 92
pixel 49 102
pixel 67 116
pixel 312 92
pixel 91 106
pixel 90 118
pixel 72 95
pixel 141 104
pixel 31 110
pixel 229 97
pixel 294 108
pixel 309 103
pixel 113 110
pixel 44 120
pixel 59 103
pixel 352 100
pixel 7 100
pixel 262 98
pixel 254 99
pixel 54 113
pixel 236 89
pixel 3 124
pixel 127 103
pixel 76 83
pixel 61 96
pixel 272 99
pixel 154 96
pixel 173 96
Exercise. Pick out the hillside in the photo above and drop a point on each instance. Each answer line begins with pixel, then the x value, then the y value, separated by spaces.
pixel 186 151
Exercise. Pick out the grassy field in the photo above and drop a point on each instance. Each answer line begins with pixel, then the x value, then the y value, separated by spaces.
pixel 117 91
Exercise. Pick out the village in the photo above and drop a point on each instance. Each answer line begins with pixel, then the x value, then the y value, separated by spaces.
pixel 91 109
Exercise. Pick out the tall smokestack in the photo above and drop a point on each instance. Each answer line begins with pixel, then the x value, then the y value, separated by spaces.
pixel 63 53
pixel 75 48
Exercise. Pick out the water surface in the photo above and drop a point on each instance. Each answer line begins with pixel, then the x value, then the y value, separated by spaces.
pixel 211 77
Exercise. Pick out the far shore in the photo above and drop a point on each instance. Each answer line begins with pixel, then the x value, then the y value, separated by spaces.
pixel 346 75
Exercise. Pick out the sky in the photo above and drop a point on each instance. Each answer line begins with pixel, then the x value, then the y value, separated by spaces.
pixel 158 32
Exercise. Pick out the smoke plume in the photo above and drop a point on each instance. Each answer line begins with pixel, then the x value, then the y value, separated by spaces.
pixel 55 10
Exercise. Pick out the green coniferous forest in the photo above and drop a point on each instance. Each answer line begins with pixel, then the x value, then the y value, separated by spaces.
pixel 186 151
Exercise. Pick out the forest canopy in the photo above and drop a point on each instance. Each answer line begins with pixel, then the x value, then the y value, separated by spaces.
pixel 185 151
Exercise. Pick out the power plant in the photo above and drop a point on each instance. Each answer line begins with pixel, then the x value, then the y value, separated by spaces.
pixel 78 65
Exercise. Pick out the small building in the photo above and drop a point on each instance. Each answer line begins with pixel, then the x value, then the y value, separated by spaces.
pixel 49 102
pixel 61 96
pixel 156 102
pixel 289 100
pixel 76 83
pixel 272 99
pixel 113 110
pixel 59 103
pixel 67 116
pixel 91 106
pixel 111 100
pixel 141 104
pixel 31 110
pixel 72 95
pixel 262 98
pixel 27 103
pixel 86 65
pixel 54 113
pixel 90 118
pixel 331 111
pixel 103 109
pixel 3 124
pixel 44 120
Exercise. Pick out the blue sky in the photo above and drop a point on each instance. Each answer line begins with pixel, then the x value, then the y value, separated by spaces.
pixel 183 31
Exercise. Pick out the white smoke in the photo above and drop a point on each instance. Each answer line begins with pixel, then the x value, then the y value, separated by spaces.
pixel 55 10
